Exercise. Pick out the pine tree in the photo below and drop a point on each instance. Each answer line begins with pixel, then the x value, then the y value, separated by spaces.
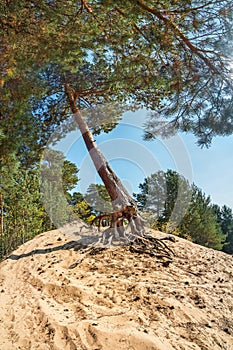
pixel 153 194
pixel 166 195
pixel 200 223
pixel 69 177
pixel 98 198
pixel 81 208
pixel 227 228
pixel 22 213
pixel 184 210
pixel 178 198
pixel 58 176
pixel 162 57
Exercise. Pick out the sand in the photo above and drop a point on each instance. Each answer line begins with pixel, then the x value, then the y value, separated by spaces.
pixel 114 300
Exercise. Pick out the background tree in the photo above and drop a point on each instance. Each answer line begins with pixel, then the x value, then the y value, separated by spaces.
pixel 98 198
pixel 224 217
pixel 185 210
pixel 69 177
pixel 58 177
pixel 22 213
pixel 81 208
pixel 200 223
pixel 178 196
pixel 227 228
pixel 153 194
pixel 166 195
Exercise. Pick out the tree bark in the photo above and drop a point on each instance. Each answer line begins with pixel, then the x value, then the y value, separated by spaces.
pixel 1 226
pixel 119 195
pixel 124 206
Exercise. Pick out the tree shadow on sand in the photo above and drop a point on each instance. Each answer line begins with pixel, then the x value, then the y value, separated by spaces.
pixel 79 244
pixel 92 244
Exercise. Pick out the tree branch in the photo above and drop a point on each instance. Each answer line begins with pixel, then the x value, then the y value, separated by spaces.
pixel 184 39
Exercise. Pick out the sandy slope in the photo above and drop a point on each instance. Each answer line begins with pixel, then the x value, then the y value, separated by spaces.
pixel 114 300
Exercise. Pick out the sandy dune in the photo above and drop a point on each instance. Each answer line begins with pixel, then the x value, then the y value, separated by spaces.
pixel 114 300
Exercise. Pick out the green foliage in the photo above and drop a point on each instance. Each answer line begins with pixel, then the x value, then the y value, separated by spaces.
pixel 183 209
pixel 167 195
pixel 103 117
pixel 98 199
pixel 224 217
pixel 153 194
pixel 178 196
pixel 21 210
pixel 69 176
pixel 81 208
pixel 58 176
pixel 200 223
pixel 164 57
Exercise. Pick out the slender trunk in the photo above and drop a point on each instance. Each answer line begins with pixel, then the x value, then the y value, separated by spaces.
pixel 119 195
pixel 121 199
pixel 2 216
pixel 1 225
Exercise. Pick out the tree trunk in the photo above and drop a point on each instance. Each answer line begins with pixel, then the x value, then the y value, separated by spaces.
pixel 125 208
pixel 119 195
pixel 1 225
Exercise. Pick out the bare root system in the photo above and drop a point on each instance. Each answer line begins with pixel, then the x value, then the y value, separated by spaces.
pixel 126 227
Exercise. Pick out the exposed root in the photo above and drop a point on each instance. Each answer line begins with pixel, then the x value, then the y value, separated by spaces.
pixel 153 247
pixel 126 227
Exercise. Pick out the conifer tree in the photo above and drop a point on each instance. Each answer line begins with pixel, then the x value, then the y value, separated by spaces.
pixel 99 199
pixel 185 210
pixel 171 57
pixel 166 195
pixel 224 217
pixel 200 223
pixel 81 208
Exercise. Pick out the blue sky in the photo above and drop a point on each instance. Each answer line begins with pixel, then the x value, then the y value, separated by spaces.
pixel 133 159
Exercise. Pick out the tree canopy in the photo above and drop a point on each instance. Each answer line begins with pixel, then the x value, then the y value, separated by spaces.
pixel 172 57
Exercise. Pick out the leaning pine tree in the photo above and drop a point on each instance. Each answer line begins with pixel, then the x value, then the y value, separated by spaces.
pixel 124 206
pixel 171 57
pixel 191 73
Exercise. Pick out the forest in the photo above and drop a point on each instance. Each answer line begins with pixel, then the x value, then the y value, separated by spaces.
pixel 85 63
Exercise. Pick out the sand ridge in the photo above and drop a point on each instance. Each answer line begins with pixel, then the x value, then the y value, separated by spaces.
pixel 114 299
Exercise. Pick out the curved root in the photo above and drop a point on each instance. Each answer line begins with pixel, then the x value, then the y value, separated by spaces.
pixel 126 227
